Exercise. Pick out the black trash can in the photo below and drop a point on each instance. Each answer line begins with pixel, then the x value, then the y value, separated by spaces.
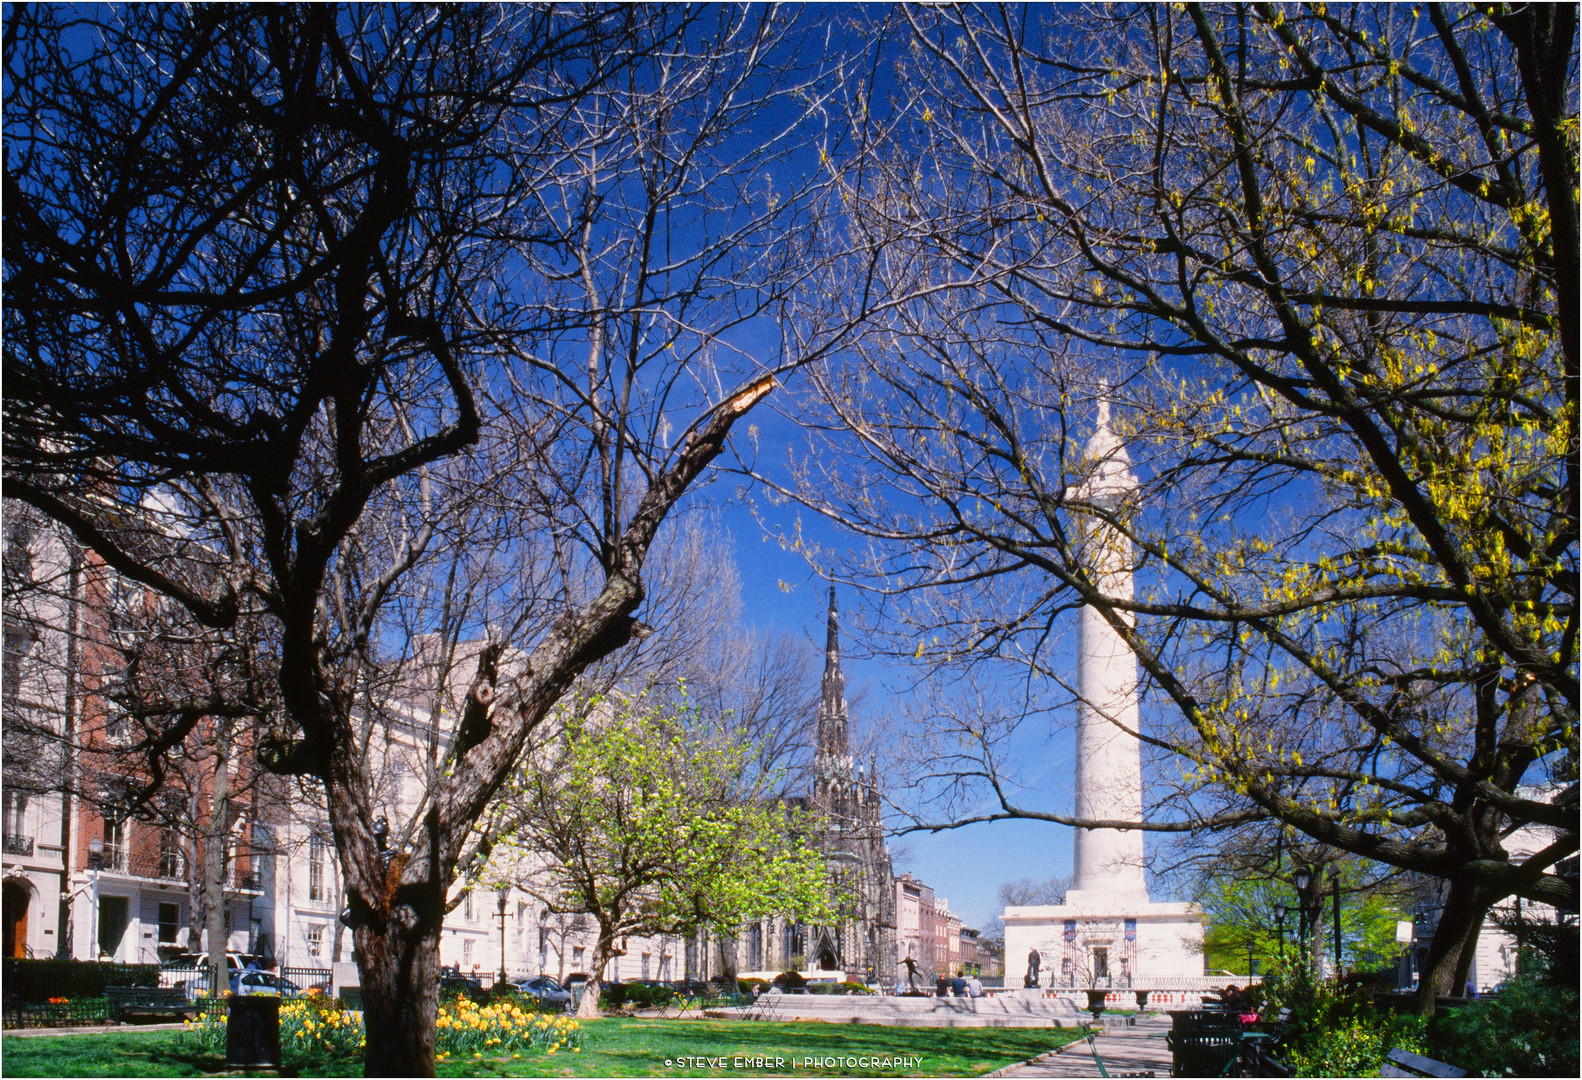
pixel 252 1032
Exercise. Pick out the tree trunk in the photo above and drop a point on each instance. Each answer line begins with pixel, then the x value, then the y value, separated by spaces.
pixel 602 954
pixel 728 964
pixel 1454 939
pixel 400 991
pixel 214 859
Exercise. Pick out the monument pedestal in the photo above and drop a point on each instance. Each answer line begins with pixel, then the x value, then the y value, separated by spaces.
pixel 1121 942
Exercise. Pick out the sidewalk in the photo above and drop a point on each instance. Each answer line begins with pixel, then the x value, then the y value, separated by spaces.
pixel 1126 1052
pixel 89 1029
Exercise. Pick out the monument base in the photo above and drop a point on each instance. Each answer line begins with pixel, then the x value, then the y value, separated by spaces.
pixel 1105 940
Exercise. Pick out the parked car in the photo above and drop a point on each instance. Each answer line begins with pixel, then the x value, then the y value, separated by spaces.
pixel 191 973
pixel 263 982
pixel 462 984
pixel 545 989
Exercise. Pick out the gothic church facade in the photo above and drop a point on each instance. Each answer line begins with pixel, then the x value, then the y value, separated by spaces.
pixel 846 802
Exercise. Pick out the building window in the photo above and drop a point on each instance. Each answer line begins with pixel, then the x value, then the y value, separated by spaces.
pixel 645 965
pixel 171 864
pixel 466 906
pixel 17 839
pixel 316 941
pixel 169 923
pixel 316 848
pixel 576 956
pixel 466 951
pixel 114 845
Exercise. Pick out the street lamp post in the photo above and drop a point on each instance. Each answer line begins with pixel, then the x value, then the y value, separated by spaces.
pixel 1279 929
pixel 504 899
pixel 1334 880
pixel 1302 879
pixel 95 859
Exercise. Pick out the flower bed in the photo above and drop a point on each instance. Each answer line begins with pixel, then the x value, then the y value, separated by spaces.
pixel 466 1028
pixel 311 1027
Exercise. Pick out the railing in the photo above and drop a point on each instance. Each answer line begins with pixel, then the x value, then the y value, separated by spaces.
pixel 170 866
pixel 113 858
pixel 18 845
pixel 309 978
pixel 252 881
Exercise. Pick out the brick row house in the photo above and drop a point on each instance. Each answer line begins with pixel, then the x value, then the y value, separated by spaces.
pixel 87 873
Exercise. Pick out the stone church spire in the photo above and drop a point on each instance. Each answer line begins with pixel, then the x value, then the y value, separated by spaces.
pixel 833 754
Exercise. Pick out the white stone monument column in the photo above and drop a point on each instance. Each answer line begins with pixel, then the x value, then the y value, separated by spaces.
pixel 1108 863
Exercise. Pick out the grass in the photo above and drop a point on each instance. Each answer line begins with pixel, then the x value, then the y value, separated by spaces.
pixel 614 1047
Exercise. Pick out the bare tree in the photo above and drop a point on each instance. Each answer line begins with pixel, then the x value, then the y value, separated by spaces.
pixel 1304 244
pixel 273 261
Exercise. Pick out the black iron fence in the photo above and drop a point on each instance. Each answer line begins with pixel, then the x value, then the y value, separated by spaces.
pixel 317 979
pixel 40 980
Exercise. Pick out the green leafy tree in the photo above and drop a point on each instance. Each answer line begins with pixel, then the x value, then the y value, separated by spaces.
pixel 1239 898
pixel 632 813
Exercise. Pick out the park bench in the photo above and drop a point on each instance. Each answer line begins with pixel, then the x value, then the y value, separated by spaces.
pixel 148 1001
pixel 1406 1063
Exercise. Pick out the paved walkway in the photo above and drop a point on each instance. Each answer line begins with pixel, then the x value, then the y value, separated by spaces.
pixel 1128 1051
pixel 89 1029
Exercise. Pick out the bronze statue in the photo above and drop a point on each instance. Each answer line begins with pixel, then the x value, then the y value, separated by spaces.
pixel 911 972
pixel 1032 970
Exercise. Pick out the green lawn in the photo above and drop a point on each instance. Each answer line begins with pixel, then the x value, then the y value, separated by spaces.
pixel 614 1047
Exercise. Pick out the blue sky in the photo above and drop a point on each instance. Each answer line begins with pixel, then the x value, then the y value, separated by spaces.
pixel 965 866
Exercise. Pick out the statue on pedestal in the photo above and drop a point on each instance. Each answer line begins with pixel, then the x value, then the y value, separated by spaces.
pixel 1032 970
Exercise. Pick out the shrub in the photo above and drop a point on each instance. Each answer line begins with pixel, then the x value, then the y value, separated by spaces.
pixel 1334 1031
pixel 1528 1029
pixel 1356 1047
pixel 645 996
pixel 40 980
